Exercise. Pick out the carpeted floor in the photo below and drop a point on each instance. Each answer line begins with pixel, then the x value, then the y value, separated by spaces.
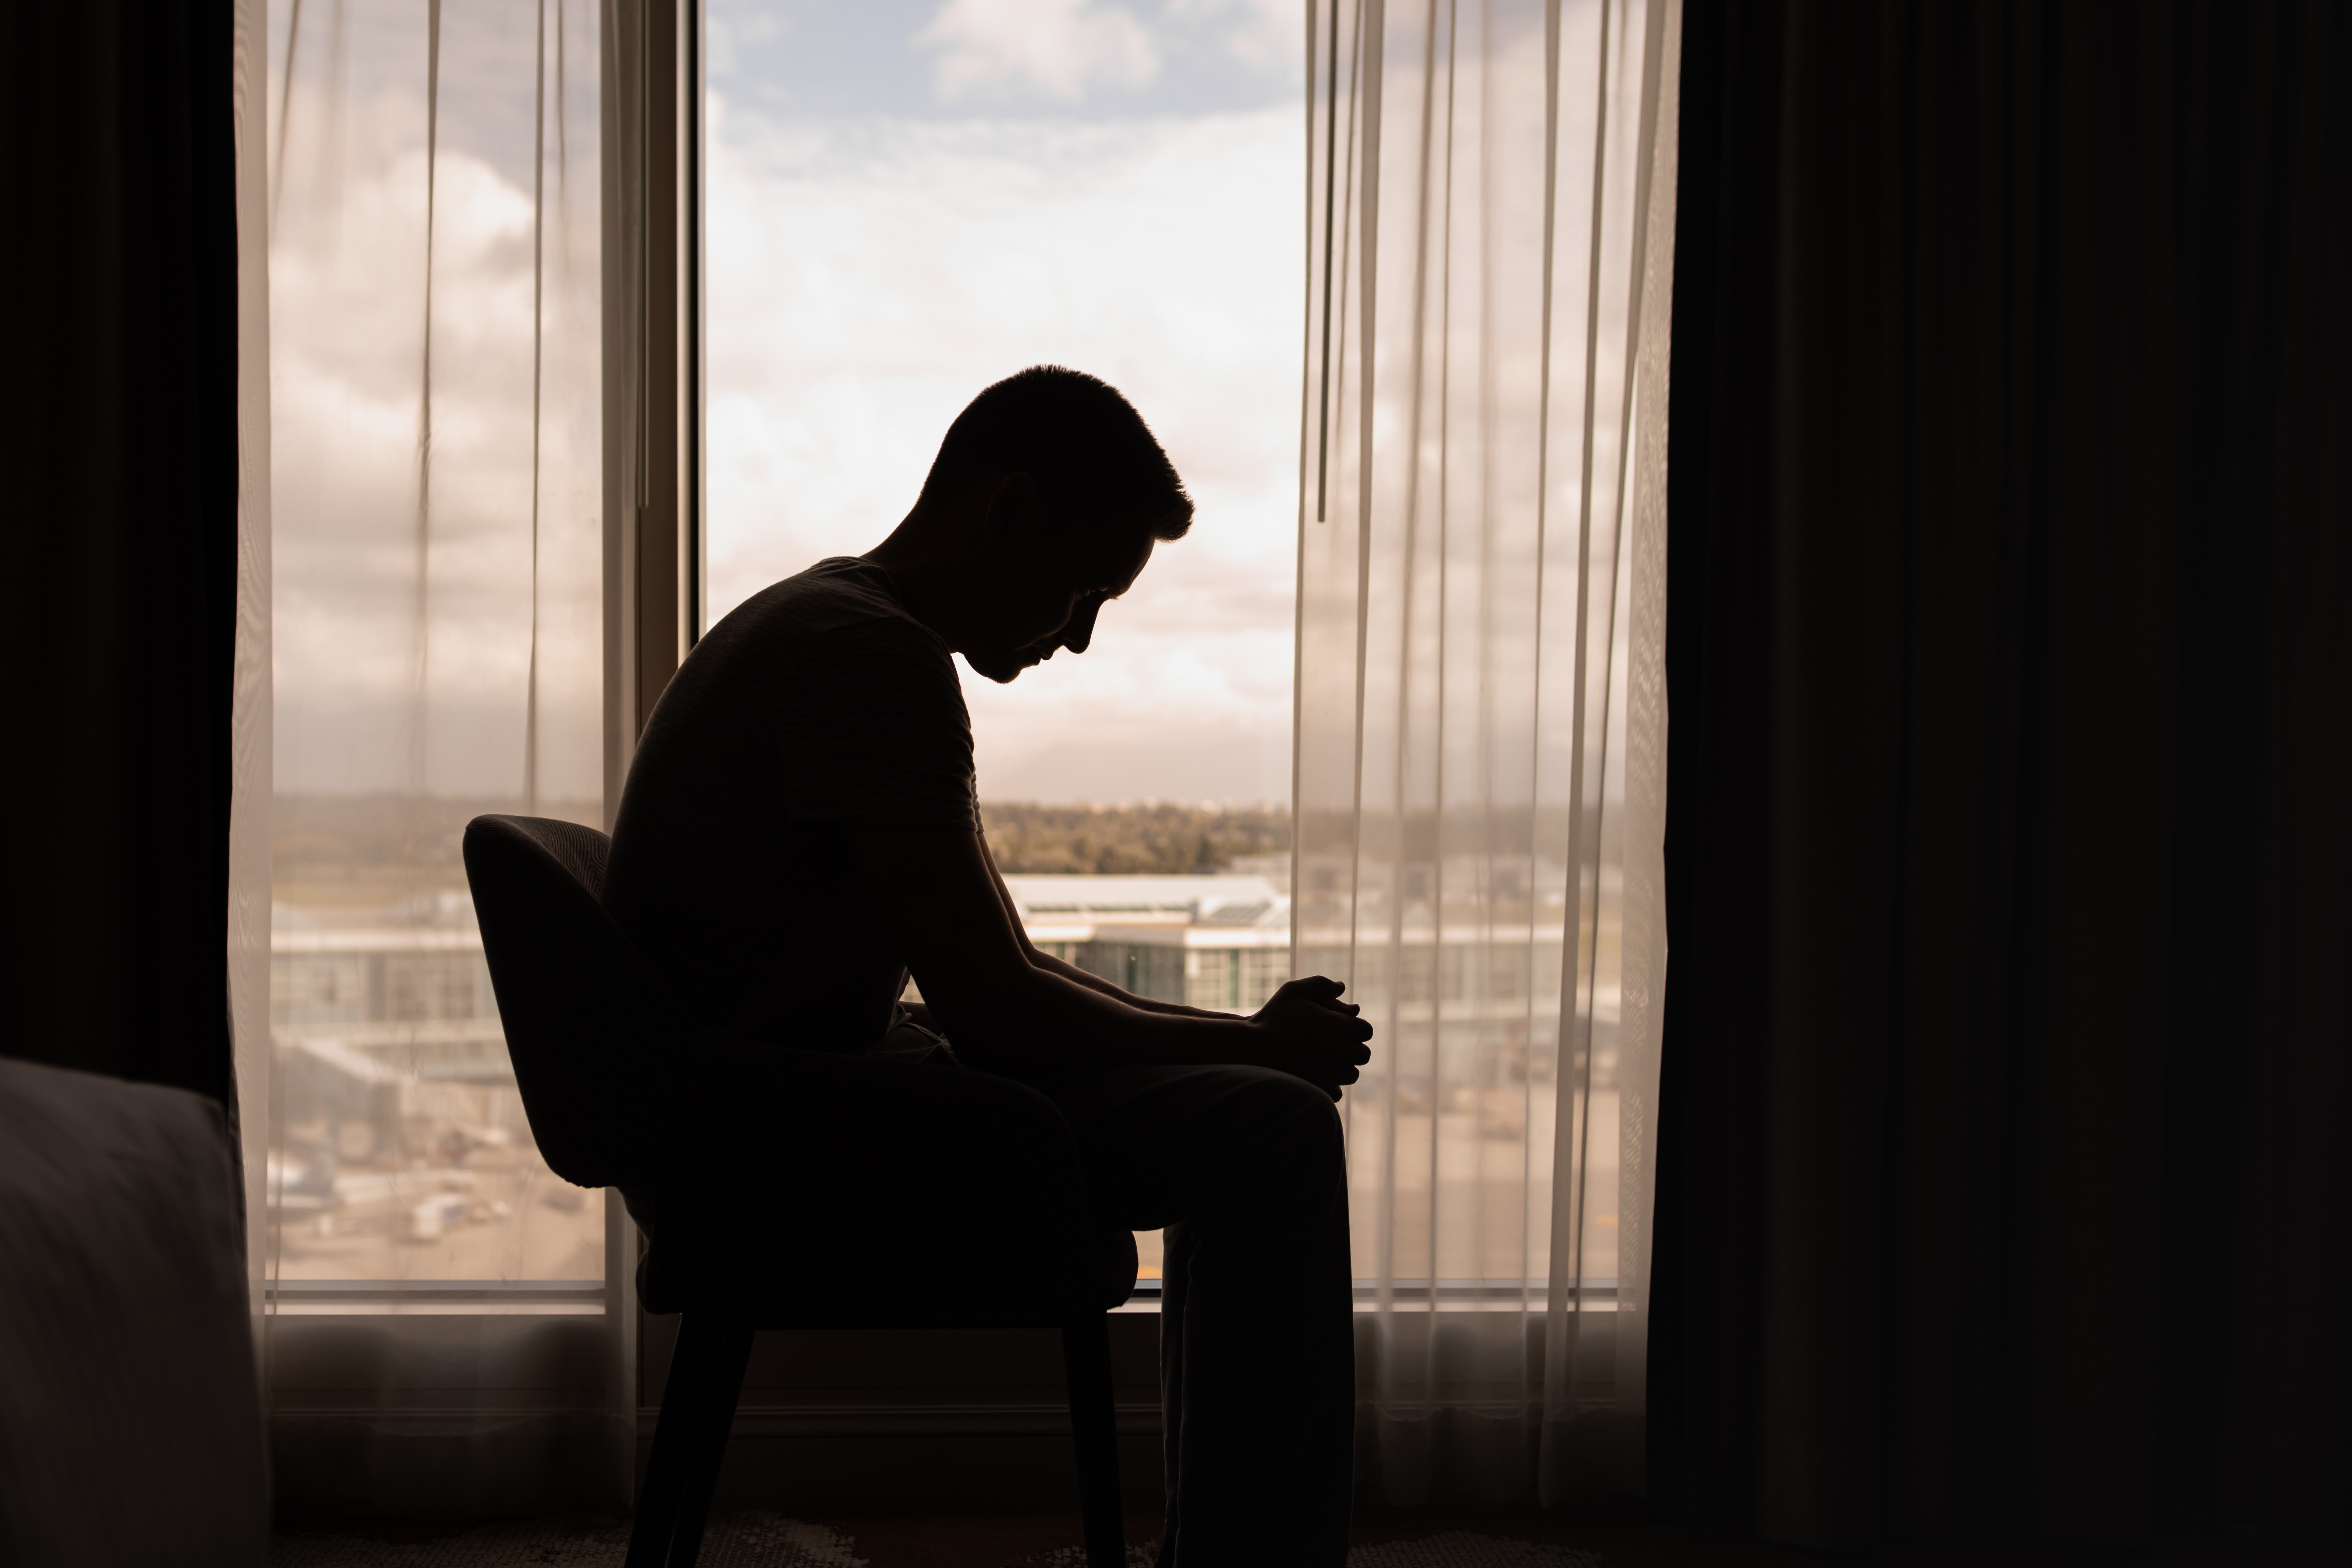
pixel 1603 1534
pixel 753 1540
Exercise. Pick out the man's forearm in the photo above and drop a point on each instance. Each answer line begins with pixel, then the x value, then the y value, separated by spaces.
pixel 1072 973
pixel 1055 1019
pixel 1005 1006
pixel 1068 971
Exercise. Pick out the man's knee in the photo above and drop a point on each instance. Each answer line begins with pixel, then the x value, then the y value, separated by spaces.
pixel 1297 1111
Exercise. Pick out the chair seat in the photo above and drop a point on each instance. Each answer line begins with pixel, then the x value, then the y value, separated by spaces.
pixel 820 1188
pixel 788 1276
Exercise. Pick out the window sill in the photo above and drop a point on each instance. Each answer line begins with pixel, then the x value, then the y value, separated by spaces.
pixel 437 1298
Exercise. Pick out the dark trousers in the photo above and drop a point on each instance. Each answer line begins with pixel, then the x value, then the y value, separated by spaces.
pixel 1245 1170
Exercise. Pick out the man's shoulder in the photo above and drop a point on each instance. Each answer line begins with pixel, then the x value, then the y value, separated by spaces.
pixel 836 636
pixel 839 595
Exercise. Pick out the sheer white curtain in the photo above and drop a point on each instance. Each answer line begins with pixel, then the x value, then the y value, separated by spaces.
pixel 440 1335
pixel 1481 708
pixel 248 902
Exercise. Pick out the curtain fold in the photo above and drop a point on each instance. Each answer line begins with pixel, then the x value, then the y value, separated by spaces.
pixel 2008 872
pixel 1480 714
pixel 249 745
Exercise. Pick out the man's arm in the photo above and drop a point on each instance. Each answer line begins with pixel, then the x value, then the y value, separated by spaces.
pixel 937 890
pixel 1071 971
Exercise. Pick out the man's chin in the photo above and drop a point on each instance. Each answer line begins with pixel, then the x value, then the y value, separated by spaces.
pixel 1001 668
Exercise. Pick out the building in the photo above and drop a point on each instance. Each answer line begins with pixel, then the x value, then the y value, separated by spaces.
pixel 1218 942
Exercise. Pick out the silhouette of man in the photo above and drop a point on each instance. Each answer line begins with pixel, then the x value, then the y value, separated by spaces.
pixel 801 828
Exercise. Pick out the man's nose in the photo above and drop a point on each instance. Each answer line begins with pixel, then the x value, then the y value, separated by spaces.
pixel 1081 629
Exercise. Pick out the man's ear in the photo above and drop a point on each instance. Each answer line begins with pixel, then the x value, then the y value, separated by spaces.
pixel 1011 505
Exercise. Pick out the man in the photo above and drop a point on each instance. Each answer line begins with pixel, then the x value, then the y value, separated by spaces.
pixel 801 828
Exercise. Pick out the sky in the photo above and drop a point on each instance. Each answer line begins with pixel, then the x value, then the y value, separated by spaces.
pixel 906 202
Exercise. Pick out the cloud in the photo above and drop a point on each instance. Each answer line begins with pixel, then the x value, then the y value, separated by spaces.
pixel 1258 33
pixel 358 659
pixel 1053 48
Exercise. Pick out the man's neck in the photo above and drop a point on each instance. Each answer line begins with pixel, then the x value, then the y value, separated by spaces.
pixel 917 557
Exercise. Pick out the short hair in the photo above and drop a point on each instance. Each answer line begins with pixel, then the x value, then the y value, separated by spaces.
pixel 1091 456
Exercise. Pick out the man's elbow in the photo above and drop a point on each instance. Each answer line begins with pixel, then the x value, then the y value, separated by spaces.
pixel 988 1016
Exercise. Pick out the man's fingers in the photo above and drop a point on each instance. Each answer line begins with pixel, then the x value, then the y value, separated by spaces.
pixel 1315 1068
pixel 1320 989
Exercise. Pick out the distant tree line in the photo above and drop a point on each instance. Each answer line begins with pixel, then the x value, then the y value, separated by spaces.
pixel 1160 838
pixel 384 846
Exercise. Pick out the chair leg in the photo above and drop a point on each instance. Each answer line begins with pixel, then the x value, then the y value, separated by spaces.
pixel 706 1379
pixel 1085 1354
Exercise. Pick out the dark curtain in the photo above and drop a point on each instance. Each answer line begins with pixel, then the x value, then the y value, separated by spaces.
pixel 2005 1170
pixel 118 179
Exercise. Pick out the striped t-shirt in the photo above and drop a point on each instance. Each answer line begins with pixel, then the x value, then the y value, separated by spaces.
pixel 818 704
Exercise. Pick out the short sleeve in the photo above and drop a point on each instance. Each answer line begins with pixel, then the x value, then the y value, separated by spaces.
pixel 873 729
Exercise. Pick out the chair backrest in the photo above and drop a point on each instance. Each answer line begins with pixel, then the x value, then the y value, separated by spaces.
pixel 581 1010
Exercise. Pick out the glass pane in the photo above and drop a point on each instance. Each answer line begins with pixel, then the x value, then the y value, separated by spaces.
pixel 438 538
pixel 909 201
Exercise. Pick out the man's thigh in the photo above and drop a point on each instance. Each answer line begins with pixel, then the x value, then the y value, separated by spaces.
pixel 1162 1145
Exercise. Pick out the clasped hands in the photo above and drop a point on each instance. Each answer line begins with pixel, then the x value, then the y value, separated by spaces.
pixel 1306 1031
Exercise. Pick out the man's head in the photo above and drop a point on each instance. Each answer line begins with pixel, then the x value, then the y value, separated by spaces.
pixel 1044 503
pixel 1094 462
